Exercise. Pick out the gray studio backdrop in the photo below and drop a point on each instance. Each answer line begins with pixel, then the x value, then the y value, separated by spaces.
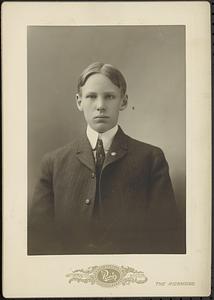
pixel 152 58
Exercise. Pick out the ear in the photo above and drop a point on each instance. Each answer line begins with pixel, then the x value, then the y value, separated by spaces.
pixel 79 102
pixel 124 102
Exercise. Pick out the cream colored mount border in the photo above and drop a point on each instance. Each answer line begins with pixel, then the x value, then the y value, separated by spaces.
pixel 108 275
pixel 21 272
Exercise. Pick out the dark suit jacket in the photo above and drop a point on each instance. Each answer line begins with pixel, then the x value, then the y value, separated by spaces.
pixel 138 211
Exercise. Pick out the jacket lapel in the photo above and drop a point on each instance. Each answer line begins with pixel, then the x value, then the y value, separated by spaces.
pixel 84 153
pixel 118 148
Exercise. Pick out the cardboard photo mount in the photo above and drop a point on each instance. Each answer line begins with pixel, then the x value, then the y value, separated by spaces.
pixel 107 275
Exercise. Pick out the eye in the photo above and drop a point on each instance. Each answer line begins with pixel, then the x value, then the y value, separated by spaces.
pixel 91 96
pixel 110 96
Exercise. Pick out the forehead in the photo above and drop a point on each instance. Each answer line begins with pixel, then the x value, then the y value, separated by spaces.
pixel 99 83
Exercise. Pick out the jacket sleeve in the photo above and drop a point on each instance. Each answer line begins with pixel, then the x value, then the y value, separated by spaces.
pixel 41 215
pixel 161 192
pixel 164 218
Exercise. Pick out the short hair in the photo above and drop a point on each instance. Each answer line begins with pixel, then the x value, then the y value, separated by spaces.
pixel 108 70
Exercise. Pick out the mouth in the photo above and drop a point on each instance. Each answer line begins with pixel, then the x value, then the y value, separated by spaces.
pixel 101 117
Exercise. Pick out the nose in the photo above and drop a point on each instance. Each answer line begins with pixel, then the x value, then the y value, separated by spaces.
pixel 100 104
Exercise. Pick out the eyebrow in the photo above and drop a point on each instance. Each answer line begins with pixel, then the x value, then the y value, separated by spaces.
pixel 105 92
pixel 109 92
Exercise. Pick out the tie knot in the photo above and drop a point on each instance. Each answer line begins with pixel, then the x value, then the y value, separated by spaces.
pixel 100 153
pixel 99 143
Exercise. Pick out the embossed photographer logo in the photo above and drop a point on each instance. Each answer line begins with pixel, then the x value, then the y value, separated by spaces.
pixel 107 275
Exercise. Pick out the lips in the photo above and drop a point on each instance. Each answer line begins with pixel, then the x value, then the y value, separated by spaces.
pixel 101 117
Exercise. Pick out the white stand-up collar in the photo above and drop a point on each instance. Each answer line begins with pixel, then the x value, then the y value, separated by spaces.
pixel 107 137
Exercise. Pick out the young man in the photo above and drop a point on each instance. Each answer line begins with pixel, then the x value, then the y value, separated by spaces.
pixel 106 192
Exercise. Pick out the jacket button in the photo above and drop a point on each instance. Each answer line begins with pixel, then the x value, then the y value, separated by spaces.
pixel 87 201
pixel 92 175
pixel 113 153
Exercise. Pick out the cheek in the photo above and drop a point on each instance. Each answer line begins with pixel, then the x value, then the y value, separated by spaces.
pixel 116 110
pixel 87 110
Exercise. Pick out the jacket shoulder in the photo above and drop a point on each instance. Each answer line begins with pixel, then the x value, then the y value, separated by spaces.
pixel 147 148
pixel 152 155
pixel 61 153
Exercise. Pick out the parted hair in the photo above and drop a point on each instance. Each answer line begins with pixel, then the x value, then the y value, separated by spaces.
pixel 108 70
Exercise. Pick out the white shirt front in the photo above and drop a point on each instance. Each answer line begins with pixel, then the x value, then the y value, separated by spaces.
pixel 106 137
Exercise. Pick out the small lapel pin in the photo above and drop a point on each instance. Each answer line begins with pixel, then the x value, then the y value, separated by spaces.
pixel 113 153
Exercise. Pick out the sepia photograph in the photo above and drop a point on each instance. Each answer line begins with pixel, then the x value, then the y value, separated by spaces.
pixel 107 149
pixel 105 191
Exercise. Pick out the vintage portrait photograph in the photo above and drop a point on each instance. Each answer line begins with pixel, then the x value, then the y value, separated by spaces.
pixel 107 185
pixel 107 149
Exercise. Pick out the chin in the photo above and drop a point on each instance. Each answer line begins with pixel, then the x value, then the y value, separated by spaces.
pixel 101 128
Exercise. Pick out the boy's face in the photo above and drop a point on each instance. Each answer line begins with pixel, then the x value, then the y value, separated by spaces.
pixel 101 101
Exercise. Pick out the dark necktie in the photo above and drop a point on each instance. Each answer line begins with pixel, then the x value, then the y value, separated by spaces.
pixel 100 157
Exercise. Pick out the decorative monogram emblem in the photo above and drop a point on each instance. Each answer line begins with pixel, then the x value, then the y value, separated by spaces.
pixel 107 275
